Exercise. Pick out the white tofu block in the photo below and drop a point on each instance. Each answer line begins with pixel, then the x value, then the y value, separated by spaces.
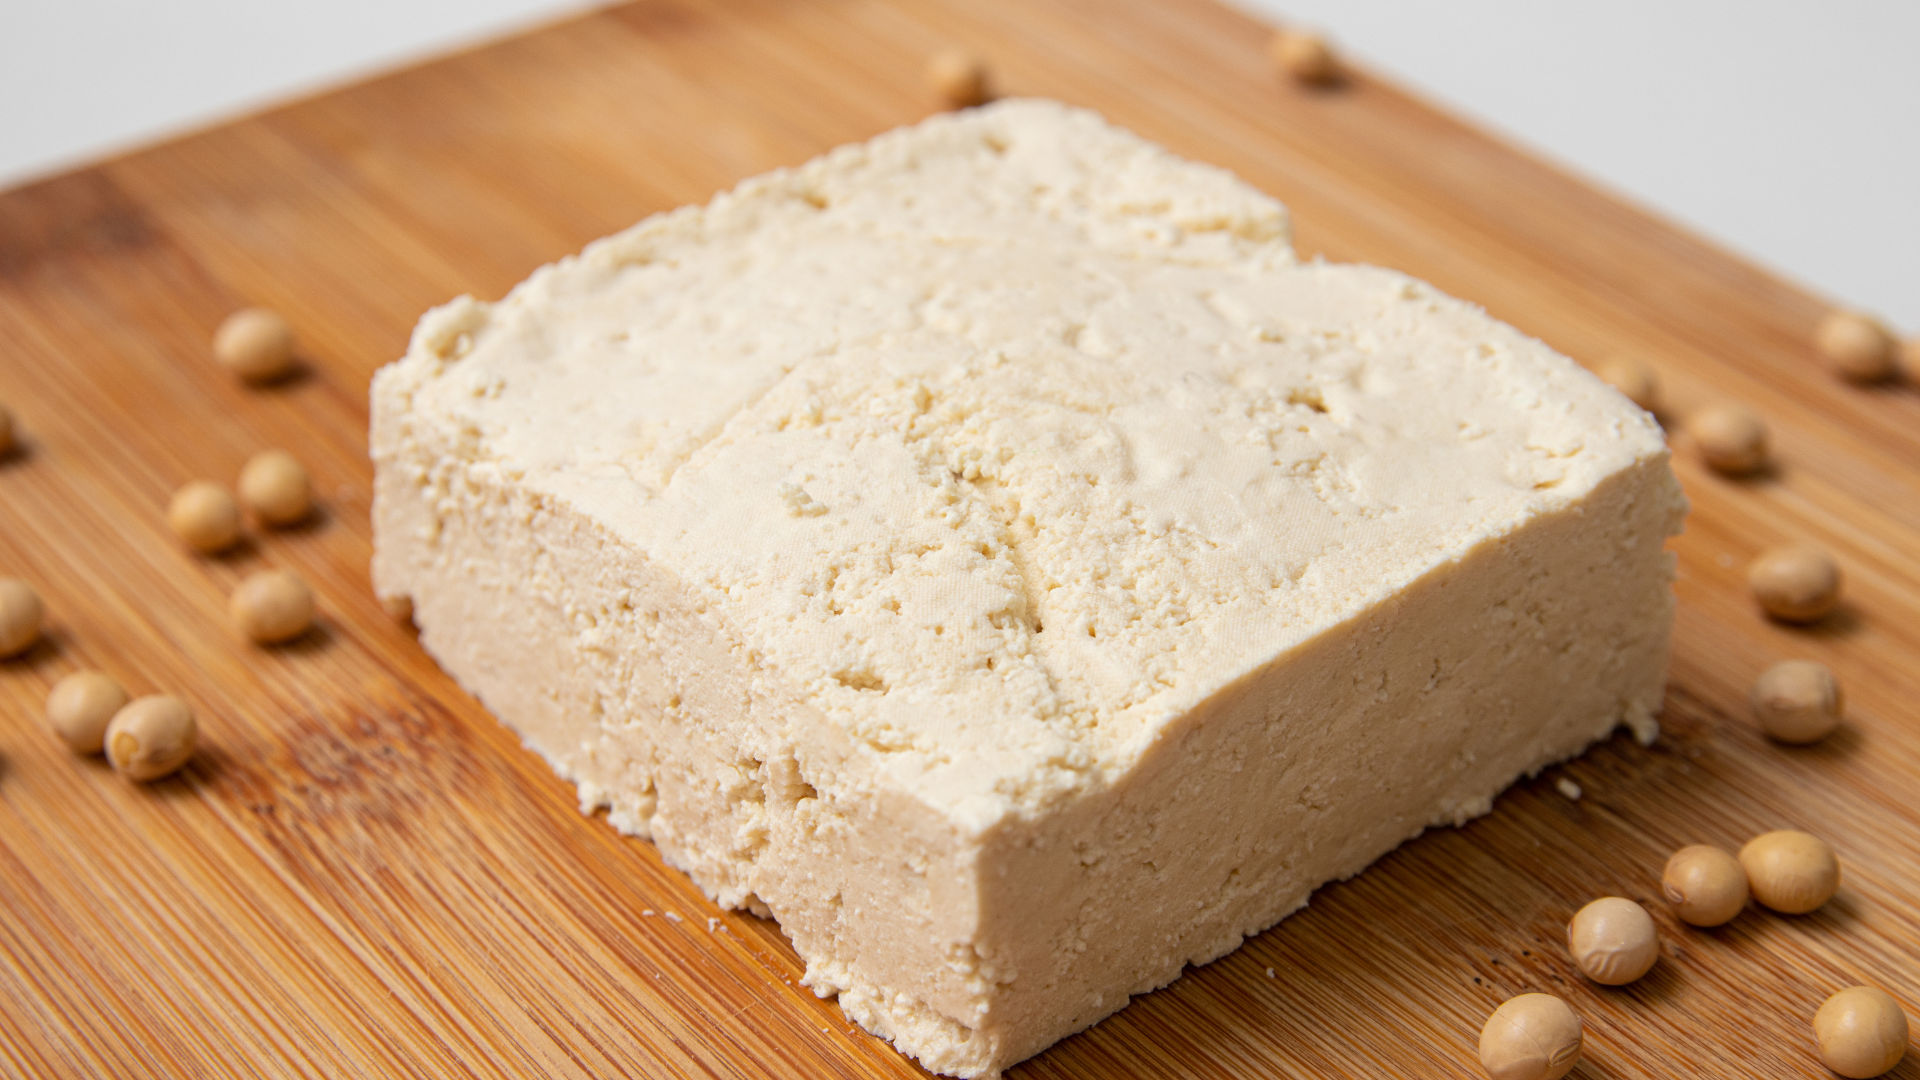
pixel 992 553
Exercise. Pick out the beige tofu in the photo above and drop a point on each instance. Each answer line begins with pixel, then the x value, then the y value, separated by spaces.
pixel 991 552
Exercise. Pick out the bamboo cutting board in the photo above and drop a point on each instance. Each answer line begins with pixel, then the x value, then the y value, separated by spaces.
pixel 362 874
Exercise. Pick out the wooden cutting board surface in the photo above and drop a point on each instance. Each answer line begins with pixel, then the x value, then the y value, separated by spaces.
pixel 362 874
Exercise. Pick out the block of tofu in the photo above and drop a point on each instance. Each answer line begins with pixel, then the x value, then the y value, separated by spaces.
pixel 990 552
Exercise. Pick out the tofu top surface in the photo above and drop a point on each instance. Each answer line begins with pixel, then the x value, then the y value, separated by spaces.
pixel 1010 437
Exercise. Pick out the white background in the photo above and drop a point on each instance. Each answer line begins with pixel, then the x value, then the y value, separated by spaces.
pixel 1788 130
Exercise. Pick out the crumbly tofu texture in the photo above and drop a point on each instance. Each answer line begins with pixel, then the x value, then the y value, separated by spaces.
pixel 989 551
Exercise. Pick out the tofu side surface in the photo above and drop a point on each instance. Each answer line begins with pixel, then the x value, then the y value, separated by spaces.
pixel 1415 713
pixel 990 552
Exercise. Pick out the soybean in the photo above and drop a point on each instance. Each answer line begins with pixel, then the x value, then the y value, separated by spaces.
pixel 271 607
pixel 256 344
pixel 1789 871
pixel 1862 1032
pixel 275 486
pixel 1705 885
pixel 150 737
pixel 1613 940
pixel 203 515
pixel 1305 56
pixel 959 77
pixel 20 615
pixel 81 706
pixel 1731 439
pixel 1530 1037
pixel 1797 701
pixel 1796 584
